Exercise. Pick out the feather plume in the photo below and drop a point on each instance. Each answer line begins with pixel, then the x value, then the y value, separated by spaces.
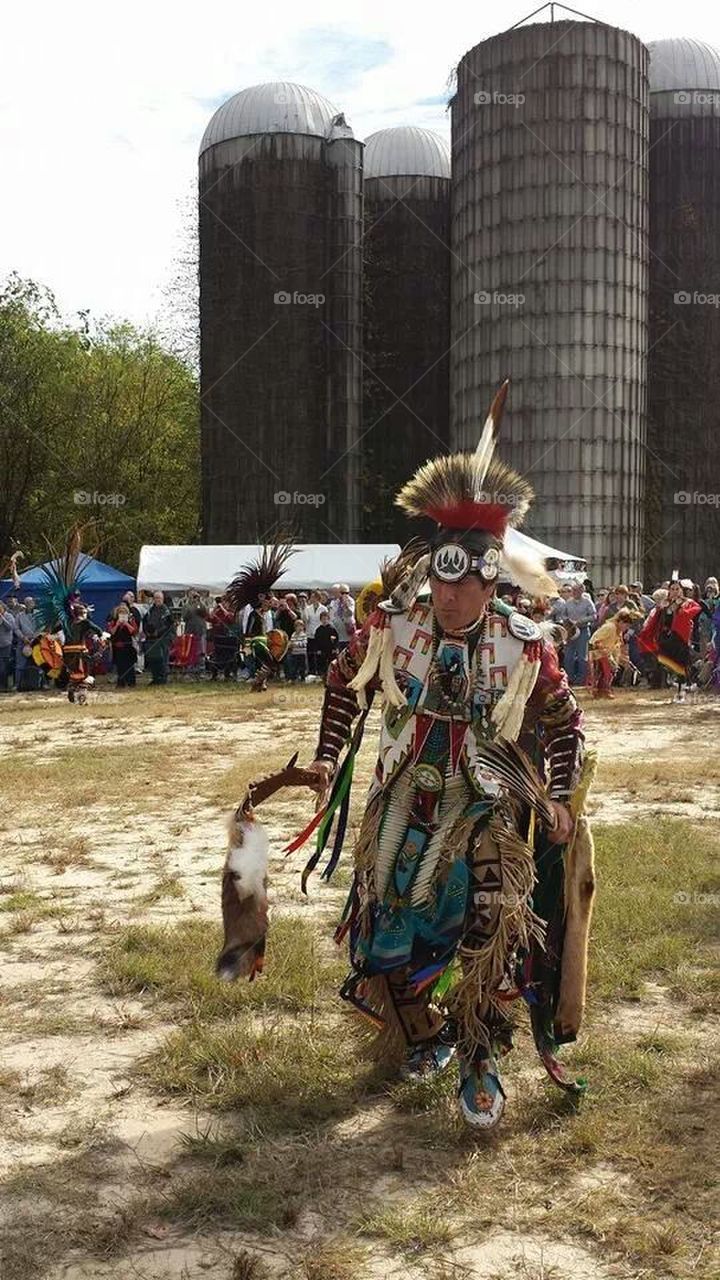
pixel 486 444
pixel 528 571
pixel 516 771
pixel 257 577
pixel 392 571
pixel 65 572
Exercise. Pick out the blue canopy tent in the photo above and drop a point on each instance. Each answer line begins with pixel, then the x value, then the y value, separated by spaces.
pixel 102 586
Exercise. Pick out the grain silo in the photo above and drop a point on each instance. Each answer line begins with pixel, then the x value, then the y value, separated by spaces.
pixel 549 274
pixel 280 310
pixel 683 489
pixel 406 316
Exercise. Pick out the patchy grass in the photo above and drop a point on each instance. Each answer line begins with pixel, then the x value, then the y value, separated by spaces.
pixel 202 1198
pixel 74 853
pixel 248 1266
pixel 229 788
pixel 297 1074
pixel 79 777
pixel 50 1086
pixel 284 1118
pixel 659 777
pixel 336 1259
pixel 411 1229
pixel 651 914
pixel 28 909
pixel 177 964
pixel 166 887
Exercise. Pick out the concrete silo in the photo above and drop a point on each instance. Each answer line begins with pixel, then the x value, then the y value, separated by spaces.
pixel 683 485
pixel 406 316
pixel 280 195
pixel 549 274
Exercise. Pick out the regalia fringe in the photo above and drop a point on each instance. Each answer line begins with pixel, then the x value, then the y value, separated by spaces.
pixel 387 1044
pixel 379 660
pixel 509 712
pixel 484 968
pixel 369 665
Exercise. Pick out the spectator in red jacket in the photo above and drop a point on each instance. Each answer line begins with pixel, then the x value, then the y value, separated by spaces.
pixel 123 629
pixel 667 633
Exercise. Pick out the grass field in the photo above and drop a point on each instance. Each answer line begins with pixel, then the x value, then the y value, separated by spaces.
pixel 157 1124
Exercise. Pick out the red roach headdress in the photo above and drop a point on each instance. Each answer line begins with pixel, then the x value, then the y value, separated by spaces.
pixel 467 491
pixel 474 498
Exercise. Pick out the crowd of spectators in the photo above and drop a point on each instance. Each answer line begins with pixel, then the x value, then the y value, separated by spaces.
pixel 196 637
pixel 201 637
pixel 582 613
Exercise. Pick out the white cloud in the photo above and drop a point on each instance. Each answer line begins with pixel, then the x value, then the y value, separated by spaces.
pixel 102 109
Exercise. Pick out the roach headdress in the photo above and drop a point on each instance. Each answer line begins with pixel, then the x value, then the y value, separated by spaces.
pixel 474 498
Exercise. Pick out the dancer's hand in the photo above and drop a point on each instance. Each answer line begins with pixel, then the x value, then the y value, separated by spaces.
pixel 564 824
pixel 323 770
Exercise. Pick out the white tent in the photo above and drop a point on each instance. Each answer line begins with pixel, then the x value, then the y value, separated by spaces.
pixel 523 542
pixel 211 568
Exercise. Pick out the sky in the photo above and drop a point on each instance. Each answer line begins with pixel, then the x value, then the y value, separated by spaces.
pixel 102 108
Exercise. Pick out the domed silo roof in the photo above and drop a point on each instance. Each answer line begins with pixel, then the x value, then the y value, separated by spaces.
pixel 406 151
pixel 277 107
pixel 683 64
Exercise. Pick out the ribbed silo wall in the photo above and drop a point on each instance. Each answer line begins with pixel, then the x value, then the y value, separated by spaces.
pixel 265 232
pixel 406 397
pixel 683 480
pixel 344 339
pixel 549 274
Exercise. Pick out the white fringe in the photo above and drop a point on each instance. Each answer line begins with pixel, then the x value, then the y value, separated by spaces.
pixel 509 712
pixel 392 693
pixel 369 666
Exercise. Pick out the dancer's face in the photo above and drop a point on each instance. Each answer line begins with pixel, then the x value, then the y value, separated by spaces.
pixel 459 604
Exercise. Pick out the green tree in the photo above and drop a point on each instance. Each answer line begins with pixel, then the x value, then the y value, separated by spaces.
pixel 97 423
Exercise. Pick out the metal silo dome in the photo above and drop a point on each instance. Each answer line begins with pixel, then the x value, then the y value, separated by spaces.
pixel 277 107
pixel 683 64
pixel 406 152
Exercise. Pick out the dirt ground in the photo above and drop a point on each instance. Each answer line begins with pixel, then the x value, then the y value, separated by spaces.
pixel 114 817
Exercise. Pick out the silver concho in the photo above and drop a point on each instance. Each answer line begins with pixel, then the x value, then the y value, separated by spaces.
pixel 450 562
pixel 523 628
pixel 490 565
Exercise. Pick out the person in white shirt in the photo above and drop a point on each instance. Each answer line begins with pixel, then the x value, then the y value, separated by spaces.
pixel 342 613
pixel 311 616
